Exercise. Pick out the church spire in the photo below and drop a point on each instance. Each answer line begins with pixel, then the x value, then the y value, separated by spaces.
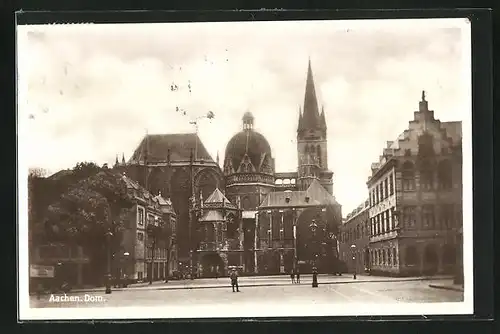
pixel 310 117
pixel 123 158
pixel 322 118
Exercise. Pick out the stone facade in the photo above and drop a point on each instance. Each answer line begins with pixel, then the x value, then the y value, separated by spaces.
pixel 416 199
pixel 355 231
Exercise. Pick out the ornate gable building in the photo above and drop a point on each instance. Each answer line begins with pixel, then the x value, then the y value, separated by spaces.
pixel 416 199
pixel 246 214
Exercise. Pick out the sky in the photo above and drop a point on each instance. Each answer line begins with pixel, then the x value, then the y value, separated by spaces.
pixel 90 92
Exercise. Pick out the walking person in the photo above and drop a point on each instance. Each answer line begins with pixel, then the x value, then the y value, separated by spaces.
pixel 234 280
pixel 292 276
pixel 297 274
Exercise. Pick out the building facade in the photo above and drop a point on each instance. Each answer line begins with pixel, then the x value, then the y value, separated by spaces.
pixel 416 199
pixel 355 231
pixel 141 258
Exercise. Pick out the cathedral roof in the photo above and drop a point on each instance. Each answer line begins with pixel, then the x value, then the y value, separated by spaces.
pixel 217 197
pixel 171 147
pixel 316 193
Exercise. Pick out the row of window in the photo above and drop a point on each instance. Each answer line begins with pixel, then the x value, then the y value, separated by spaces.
pixel 445 216
pixel 356 232
pixel 152 219
pixel 431 217
pixel 384 257
pixel 382 190
pixel 427 175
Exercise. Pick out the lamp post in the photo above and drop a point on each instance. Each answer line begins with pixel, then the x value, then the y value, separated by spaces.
pixel 125 276
pixel 353 248
pixel 313 228
pixel 109 235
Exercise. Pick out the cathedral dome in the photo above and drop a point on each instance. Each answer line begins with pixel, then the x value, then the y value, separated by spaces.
pixel 249 149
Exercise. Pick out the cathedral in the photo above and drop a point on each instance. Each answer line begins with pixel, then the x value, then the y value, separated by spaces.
pixel 246 214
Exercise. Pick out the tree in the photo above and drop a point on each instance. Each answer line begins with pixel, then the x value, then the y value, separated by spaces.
pixel 88 210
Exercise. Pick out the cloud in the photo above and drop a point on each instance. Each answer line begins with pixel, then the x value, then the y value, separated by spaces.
pixel 95 90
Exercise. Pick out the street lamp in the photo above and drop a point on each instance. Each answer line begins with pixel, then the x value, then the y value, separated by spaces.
pixel 313 228
pixel 109 235
pixel 125 276
pixel 353 248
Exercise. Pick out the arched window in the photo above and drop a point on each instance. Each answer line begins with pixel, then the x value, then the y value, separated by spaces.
pixel 408 176
pixel 426 175
pixel 411 257
pixel 286 181
pixel 279 181
pixel 444 174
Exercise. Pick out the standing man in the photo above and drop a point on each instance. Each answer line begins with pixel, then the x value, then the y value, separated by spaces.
pixel 297 274
pixel 292 276
pixel 234 280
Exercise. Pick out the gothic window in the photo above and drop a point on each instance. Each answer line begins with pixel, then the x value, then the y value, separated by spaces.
pixel 394 256
pixel 220 238
pixel 246 203
pixel 206 182
pixel 426 175
pixel 428 216
pixel 386 188
pixel 391 184
pixel 288 220
pixel 377 198
pixel 232 227
pixel 411 257
pixel 140 216
pixel 408 176
pixel 409 216
pixel 210 232
pixel 319 154
pixel 444 174
pixel 276 222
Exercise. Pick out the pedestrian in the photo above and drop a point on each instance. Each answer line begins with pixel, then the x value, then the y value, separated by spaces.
pixel 234 280
pixel 297 274
pixel 292 276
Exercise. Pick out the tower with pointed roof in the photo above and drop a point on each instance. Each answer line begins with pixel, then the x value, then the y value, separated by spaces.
pixel 312 148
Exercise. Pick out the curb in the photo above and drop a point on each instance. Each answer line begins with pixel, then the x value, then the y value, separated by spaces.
pixel 250 285
pixel 444 287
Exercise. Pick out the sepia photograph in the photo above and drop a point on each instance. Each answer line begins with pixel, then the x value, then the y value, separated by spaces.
pixel 244 169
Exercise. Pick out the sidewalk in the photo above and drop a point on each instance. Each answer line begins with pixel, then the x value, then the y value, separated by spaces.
pixel 448 286
pixel 256 281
